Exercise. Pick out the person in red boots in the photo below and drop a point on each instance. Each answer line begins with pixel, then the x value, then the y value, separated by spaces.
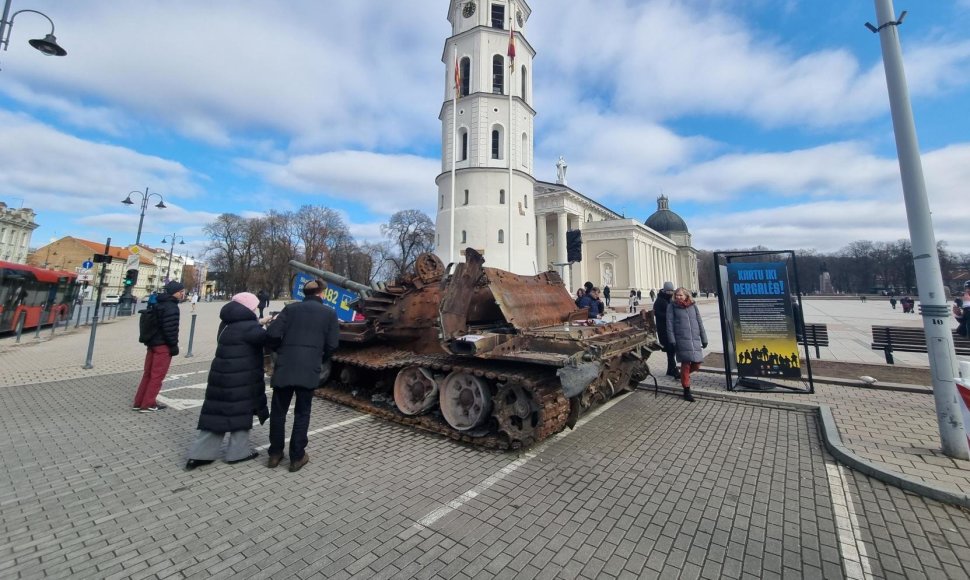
pixel 162 346
pixel 686 336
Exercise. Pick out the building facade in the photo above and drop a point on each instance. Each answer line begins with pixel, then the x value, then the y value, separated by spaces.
pixel 494 203
pixel 16 227
pixel 487 133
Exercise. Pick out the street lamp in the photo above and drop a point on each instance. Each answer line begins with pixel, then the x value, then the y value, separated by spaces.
pixel 125 301
pixel 47 45
pixel 170 251
pixel 144 205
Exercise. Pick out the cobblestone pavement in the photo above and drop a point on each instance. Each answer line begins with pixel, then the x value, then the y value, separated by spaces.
pixel 649 487
pixel 897 430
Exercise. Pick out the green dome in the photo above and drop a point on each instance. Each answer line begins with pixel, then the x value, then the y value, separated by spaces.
pixel 665 221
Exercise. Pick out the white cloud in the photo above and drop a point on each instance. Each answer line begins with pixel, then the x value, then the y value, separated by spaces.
pixel 383 183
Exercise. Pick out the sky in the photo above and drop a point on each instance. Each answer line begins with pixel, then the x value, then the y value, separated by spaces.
pixel 766 122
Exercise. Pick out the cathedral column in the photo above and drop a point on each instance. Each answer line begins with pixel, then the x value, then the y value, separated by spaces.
pixel 631 262
pixel 561 218
pixel 542 246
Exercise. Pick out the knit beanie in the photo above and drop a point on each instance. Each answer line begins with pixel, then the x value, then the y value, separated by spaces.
pixel 247 299
pixel 173 287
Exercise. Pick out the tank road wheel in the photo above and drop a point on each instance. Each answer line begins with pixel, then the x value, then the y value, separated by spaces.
pixel 466 401
pixel 517 414
pixel 429 267
pixel 415 390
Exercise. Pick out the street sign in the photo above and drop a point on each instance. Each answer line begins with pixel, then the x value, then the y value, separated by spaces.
pixel 88 277
pixel 87 264
pixel 134 249
pixel 132 262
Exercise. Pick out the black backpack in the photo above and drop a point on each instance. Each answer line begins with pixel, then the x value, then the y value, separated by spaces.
pixel 147 325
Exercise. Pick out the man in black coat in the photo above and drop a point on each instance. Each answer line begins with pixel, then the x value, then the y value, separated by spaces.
pixel 304 335
pixel 660 316
pixel 263 296
pixel 161 348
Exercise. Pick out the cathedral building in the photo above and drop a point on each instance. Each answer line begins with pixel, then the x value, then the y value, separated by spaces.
pixel 488 197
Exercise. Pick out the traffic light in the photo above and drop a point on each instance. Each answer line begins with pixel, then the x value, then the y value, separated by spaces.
pixel 574 246
pixel 131 277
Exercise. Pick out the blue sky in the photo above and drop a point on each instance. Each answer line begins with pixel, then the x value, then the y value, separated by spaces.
pixel 766 122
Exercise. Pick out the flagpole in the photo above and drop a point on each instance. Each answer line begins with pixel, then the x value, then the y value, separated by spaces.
pixel 509 152
pixel 454 157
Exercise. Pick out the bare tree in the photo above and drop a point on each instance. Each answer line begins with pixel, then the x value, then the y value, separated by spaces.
pixel 410 233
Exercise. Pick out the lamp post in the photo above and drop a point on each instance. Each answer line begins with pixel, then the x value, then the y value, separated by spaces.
pixel 168 271
pixel 125 306
pixel 47 45
pixel 929 279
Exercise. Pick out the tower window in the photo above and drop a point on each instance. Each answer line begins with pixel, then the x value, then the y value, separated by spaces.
pixel 466 197
pixel 464 145
pixel 441 204
pixel 464 237
pixel 526 198
pixel 523 153
pixel 501 196
pixel 501 236
pixel 496 144
pixel 498 74
pixel 524 83
pixel 465 65
pixel 498 16
pixel 527 239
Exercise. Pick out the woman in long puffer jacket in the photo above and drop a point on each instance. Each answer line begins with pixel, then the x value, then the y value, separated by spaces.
pixel 236 389
pixel 686 335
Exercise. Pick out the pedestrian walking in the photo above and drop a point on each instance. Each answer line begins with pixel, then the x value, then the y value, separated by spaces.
pixel 686 335
pixel 263 296
pixel 303 335
pixel 892 302
pixel 633 301
pixel 660 317
pixel 235 390
pixel 961 329
pixel 162 346
pixel 606 295
pixel 195 300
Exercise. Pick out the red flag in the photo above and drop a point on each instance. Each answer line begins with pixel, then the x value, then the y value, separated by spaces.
pixel 511 52
pixel 457 78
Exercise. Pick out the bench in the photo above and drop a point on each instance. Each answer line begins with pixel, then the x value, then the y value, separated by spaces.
pixel 909 339
pixel 816 335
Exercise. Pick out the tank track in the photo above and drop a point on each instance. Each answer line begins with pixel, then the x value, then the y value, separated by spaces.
pixel 363 379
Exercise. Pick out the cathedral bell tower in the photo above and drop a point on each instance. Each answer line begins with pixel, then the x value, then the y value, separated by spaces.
pixel 485 189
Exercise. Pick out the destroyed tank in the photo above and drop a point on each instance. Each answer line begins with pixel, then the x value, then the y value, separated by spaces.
pixel 479 354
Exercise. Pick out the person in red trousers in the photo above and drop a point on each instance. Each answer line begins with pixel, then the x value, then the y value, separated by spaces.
pixel 163 345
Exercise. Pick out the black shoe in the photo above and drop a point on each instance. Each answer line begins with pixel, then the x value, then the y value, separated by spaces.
pixel 193 463
pixel 673 374
pixel 249 457
pixel 160 406
pixel 274 460
pixel 298 465
pixel 687 396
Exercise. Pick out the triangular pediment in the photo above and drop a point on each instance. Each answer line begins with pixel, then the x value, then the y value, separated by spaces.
pixel 606 255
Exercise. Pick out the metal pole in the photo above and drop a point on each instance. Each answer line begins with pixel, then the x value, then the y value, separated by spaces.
pixel 87 316
pixel 191 336
pixel 929 278
pixel 97 305
pixel 78 321
pixel 3 25
pixel 40 319
pixel 21 320
pixel 168 270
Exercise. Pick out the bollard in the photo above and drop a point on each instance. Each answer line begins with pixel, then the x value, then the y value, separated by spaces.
pixel 22 319
pixel 53 325
pixel 94 330
pixel 191 336
pixel 87 316
pixel 78 321
pixel 39 320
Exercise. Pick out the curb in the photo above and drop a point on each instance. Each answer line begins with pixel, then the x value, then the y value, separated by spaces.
pixel 833 443
pixel 881 386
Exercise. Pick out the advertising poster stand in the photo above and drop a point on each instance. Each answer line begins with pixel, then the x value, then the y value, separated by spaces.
pixel 755 291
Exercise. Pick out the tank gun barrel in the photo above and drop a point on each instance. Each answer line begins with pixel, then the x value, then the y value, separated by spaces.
pixel 337 279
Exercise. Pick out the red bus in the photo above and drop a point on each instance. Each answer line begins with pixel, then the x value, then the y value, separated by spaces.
pixel 45 295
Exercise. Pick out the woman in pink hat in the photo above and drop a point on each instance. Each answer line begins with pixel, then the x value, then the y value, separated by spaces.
pixel 236 389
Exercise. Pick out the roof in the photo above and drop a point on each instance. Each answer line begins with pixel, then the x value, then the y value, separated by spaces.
pixel 113 251
pixel 664 220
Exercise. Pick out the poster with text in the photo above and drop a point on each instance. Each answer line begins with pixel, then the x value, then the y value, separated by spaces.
pixel 763 306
